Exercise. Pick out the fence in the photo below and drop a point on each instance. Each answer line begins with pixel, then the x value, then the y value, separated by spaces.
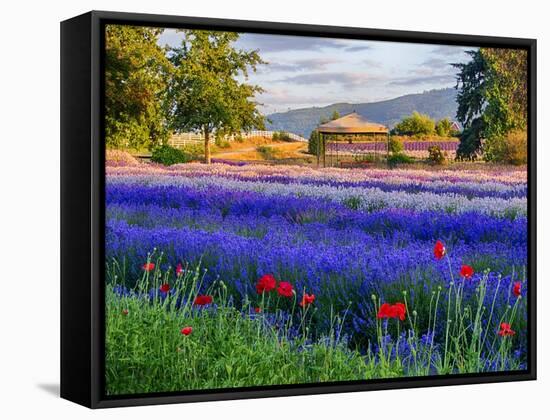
pixel 408 146
pixel 186 139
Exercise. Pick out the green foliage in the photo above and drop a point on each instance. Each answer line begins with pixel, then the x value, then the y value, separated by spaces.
pixel 436 156
pixel 221 142
pixel 470 141
pixel 443 128
pixel 415 125
pixel 267 152
pixel 492 100
pixel 395 144
pixel 506 93
pixel 206 92
pixel 399 158
pixel 511 148
pixel 168 155
pixel 136 80
pixel 313 142
pixel 281 136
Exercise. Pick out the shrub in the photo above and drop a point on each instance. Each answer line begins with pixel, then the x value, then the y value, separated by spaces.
pixel 281 136
pixel 395 144
pixel 267 152
pixel 415 125
pixel 436 156
pixel 509 149
pixel 222 143
pixel 398 158
pixel 168 155
pixel 443 128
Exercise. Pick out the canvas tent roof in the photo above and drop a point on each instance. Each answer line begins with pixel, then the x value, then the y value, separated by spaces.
pixel 352 124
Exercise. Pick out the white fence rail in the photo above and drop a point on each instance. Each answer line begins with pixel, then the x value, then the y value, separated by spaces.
pixel 185 139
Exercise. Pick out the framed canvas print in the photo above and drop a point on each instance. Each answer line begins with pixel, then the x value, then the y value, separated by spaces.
pixel 255 209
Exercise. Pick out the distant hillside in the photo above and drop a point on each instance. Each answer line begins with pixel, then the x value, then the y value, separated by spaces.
pixel 437 104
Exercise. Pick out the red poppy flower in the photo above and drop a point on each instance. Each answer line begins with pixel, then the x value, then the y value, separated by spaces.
pixel 165 288
pixel 439 250
pixel 506 330
pixel 202 300
pixel 466 271
pixel 179 269
pixel 517 289
pixel 285 289
pixel 187 330
pixel 148 266
pixel 307 300
pixel 125 312
pixel 398 310
pixel 257 309
pixel 266 283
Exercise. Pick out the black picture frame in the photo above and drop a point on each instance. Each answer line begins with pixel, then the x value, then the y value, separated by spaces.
pixel 83 213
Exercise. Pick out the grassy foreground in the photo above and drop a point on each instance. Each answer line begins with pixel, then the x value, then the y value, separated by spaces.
pixel 147 349
pixel 163 336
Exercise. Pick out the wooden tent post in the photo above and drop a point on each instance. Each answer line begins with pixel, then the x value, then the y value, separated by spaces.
pixel 319 147
pixel 324 152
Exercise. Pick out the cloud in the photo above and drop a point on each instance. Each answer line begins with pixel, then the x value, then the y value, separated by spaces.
pixel 348 79
pixel 422 80
pixel 437 63
pixel 355 48
pixel 310 64
pixel 278 43
pixel 372 63
pixel 450 50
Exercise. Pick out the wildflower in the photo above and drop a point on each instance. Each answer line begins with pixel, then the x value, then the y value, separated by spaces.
pixel 517 289
pixel 257 309
pixel 179 269
pixel 439 250
pixel 266 283
pixel 202 300
pixel 506 330
pixel 466 271
pixel 125 312
pixel 307 300
pixel 164 288
pixel 397 310
pixel 148 266
pixel 285 289
pixel 186 330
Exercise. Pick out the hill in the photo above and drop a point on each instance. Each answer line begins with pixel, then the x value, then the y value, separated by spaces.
pixel 437 104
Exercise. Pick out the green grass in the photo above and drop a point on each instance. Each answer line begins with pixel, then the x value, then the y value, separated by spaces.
pixel 236 347
pixel 146 351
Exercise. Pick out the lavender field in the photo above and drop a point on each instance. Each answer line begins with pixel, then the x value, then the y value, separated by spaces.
pixel 399 272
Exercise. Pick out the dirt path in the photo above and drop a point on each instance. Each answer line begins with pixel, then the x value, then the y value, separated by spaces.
pixel 236 152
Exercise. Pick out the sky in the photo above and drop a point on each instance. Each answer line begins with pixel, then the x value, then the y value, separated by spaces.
pixel 307 71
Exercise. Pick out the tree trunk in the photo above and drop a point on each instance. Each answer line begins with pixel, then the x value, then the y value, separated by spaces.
pixel 207 159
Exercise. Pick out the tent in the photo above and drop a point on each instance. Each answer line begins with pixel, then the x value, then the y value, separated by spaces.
pixel 351 126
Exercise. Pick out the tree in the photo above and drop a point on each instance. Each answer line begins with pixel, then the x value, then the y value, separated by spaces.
pixel 443 127
pixel 136 77
pixel 492 99
pixel 206 92
pixel 415 125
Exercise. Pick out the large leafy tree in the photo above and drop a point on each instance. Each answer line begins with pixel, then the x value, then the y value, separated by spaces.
pixel 492 98
pixel 208 91
pixel 415 125
pixel 136 77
